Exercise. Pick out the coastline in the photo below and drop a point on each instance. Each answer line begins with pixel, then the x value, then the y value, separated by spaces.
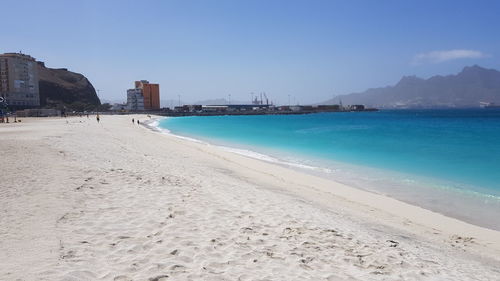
pixel 221 214
pixel 436 195
pixel 369 199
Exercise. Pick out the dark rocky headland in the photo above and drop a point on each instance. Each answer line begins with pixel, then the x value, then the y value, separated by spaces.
pixel 61 88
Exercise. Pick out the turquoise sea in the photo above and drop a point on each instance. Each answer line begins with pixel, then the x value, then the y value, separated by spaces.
pixel 444 160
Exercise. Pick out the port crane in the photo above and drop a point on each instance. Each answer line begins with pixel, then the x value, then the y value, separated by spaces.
pixel 261 101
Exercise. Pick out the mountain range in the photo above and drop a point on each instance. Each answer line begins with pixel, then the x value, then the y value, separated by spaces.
pixel 472 86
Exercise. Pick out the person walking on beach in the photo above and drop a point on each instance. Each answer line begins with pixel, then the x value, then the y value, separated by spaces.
pixel 137 121
pixel 97 117
pixel 133 121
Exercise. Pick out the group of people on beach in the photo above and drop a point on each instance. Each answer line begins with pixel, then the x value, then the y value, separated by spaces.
pixel 133 120
pixel 98 118
pixel 5 119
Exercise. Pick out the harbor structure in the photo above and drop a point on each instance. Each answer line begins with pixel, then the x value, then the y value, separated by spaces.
pixel 259 109
pixel 19 80
pixel 145 96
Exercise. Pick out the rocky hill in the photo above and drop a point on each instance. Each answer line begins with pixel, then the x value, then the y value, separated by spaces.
pixel 474 84
pixel 60 87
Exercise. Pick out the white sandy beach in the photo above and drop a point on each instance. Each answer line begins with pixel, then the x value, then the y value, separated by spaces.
pixel 117 201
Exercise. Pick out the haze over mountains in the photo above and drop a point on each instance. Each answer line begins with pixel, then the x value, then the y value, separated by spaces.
pixel 468 88
pixel 474 84
pixel 216 101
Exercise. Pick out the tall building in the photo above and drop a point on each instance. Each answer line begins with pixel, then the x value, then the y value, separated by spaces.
pixel 135 100
pixel 145 94
pixel 19 80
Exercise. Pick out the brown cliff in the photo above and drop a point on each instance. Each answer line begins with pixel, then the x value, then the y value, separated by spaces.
pixel 62 88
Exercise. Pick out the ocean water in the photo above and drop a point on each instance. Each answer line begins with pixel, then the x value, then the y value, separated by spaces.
pixel 444 160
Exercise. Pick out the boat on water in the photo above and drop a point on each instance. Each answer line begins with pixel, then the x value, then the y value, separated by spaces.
pixel 488 105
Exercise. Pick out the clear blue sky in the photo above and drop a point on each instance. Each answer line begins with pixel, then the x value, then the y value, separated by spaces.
pixel 205 49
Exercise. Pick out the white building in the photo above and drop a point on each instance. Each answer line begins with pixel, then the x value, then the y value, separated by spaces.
pixel 135 99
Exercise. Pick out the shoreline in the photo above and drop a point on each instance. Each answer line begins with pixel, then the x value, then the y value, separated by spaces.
pixel 471 196
pixel 423 216
pixel 117 201
pixel 406 211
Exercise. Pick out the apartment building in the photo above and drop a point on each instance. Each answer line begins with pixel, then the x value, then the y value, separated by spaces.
pixel 19 80
pixel 145 94
pixel 135 100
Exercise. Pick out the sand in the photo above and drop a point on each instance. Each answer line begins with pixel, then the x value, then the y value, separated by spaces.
pixel 117 201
